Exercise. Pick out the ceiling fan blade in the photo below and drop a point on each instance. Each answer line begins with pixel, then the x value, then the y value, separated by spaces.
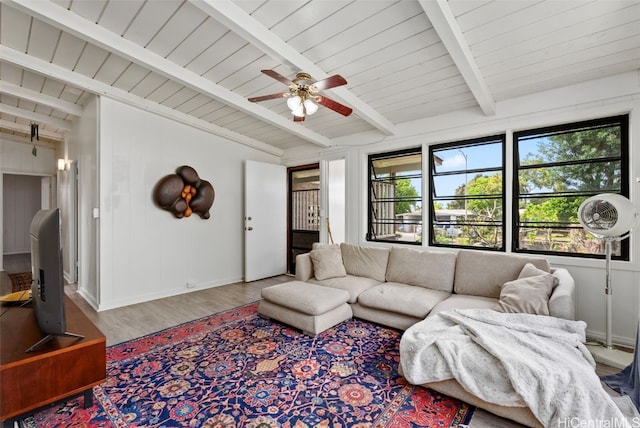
pixel 334 105
pixel 330 82
pixel 278 77
pixel 269 97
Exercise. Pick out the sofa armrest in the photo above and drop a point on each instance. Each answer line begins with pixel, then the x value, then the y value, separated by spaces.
pixel 562 300
pixel 304 267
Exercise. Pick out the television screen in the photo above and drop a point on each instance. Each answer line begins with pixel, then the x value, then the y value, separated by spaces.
pixel 47 287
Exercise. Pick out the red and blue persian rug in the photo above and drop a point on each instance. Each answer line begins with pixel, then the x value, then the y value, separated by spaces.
pixel 236 369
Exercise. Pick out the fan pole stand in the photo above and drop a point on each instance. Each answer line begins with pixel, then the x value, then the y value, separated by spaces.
pixel 605 353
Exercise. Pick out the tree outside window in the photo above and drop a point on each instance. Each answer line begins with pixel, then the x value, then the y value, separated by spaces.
pixel 556 170
pixel 467 193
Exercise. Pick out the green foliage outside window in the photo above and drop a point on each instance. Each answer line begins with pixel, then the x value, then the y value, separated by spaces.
pixel 559 169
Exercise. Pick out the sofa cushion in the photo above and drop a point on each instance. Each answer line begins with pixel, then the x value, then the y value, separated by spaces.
pixel 481 273
pixel 402 298
pixel 561 302
pixel 462 301
pixel 429 269
pixel 323 246
pixel 303 297
pixel 369 262
pixel 327 263
pixel 352 284
pixel 529 293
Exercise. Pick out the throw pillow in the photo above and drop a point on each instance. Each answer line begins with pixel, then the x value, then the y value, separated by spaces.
pixel 528 295
pixel 530 270
pixel 327 263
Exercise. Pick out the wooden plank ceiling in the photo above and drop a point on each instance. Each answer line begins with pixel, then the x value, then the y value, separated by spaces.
pixel 198 61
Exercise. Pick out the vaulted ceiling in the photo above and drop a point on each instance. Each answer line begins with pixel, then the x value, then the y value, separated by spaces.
pixel 198 61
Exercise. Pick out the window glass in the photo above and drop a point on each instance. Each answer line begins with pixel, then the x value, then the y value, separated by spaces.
pixel 467 193
pixel 395 197
pixel 556 170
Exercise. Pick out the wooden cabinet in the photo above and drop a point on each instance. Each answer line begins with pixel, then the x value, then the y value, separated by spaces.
pixel 60 368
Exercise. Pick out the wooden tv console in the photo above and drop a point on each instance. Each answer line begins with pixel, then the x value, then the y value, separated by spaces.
pixel 60 368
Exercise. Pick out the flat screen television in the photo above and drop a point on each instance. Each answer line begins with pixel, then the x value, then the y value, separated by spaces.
pixel 47 285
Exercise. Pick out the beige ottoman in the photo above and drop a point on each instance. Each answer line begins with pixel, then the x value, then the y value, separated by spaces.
pixel 311 308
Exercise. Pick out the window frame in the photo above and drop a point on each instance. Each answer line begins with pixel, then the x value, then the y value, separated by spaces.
pixel 369 236
pixel 472 142
pixel 620 120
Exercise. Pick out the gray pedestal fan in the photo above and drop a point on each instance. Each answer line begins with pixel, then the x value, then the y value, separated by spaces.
pixel 610 217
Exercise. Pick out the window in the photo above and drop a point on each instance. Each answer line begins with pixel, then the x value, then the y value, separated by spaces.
pixel 555 170
pixel 467 193
pixel 395 197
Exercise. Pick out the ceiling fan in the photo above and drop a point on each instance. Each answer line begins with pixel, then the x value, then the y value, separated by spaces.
pixel 303 95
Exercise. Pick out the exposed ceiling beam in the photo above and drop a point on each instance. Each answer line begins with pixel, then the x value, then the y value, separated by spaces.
pixel 445 24
pixel 66 20
pixel 26 129
pixel 35 117
pixel 232 16
pixel 38 98
pixel 56 72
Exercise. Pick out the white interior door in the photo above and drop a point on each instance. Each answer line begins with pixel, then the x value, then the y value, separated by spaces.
pixel 265 221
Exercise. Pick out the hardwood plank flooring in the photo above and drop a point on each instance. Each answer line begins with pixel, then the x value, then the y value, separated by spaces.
pixel 130 322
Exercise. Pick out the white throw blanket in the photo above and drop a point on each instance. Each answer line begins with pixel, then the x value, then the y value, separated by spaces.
pixel 512 360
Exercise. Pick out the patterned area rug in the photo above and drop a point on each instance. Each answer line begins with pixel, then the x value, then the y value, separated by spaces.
pixel 235 369
pixel 20 281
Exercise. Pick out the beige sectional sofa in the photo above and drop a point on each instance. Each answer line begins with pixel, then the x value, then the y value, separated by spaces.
pixel 400 286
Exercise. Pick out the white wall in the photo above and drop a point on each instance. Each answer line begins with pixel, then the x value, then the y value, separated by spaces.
pixel 67 202
pixel 145 252
pixel 81 145
pixel 336 198
pixel 605 97
pixel 16 156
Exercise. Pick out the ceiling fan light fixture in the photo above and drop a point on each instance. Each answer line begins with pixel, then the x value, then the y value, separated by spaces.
pixel 298 111
pixel 310 106
pixel 294 102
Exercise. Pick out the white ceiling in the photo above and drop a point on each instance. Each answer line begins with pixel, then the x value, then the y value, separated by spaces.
pixel 198 61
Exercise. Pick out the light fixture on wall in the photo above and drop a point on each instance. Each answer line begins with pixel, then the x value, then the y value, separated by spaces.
pixel 62 165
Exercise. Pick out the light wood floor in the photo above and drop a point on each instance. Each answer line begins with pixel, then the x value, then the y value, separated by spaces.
pixel 130 322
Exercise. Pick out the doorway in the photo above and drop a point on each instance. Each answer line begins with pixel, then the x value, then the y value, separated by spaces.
pixel 304 211
pixel 22 197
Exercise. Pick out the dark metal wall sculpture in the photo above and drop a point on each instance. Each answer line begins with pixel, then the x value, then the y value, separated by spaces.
pixel 184 193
